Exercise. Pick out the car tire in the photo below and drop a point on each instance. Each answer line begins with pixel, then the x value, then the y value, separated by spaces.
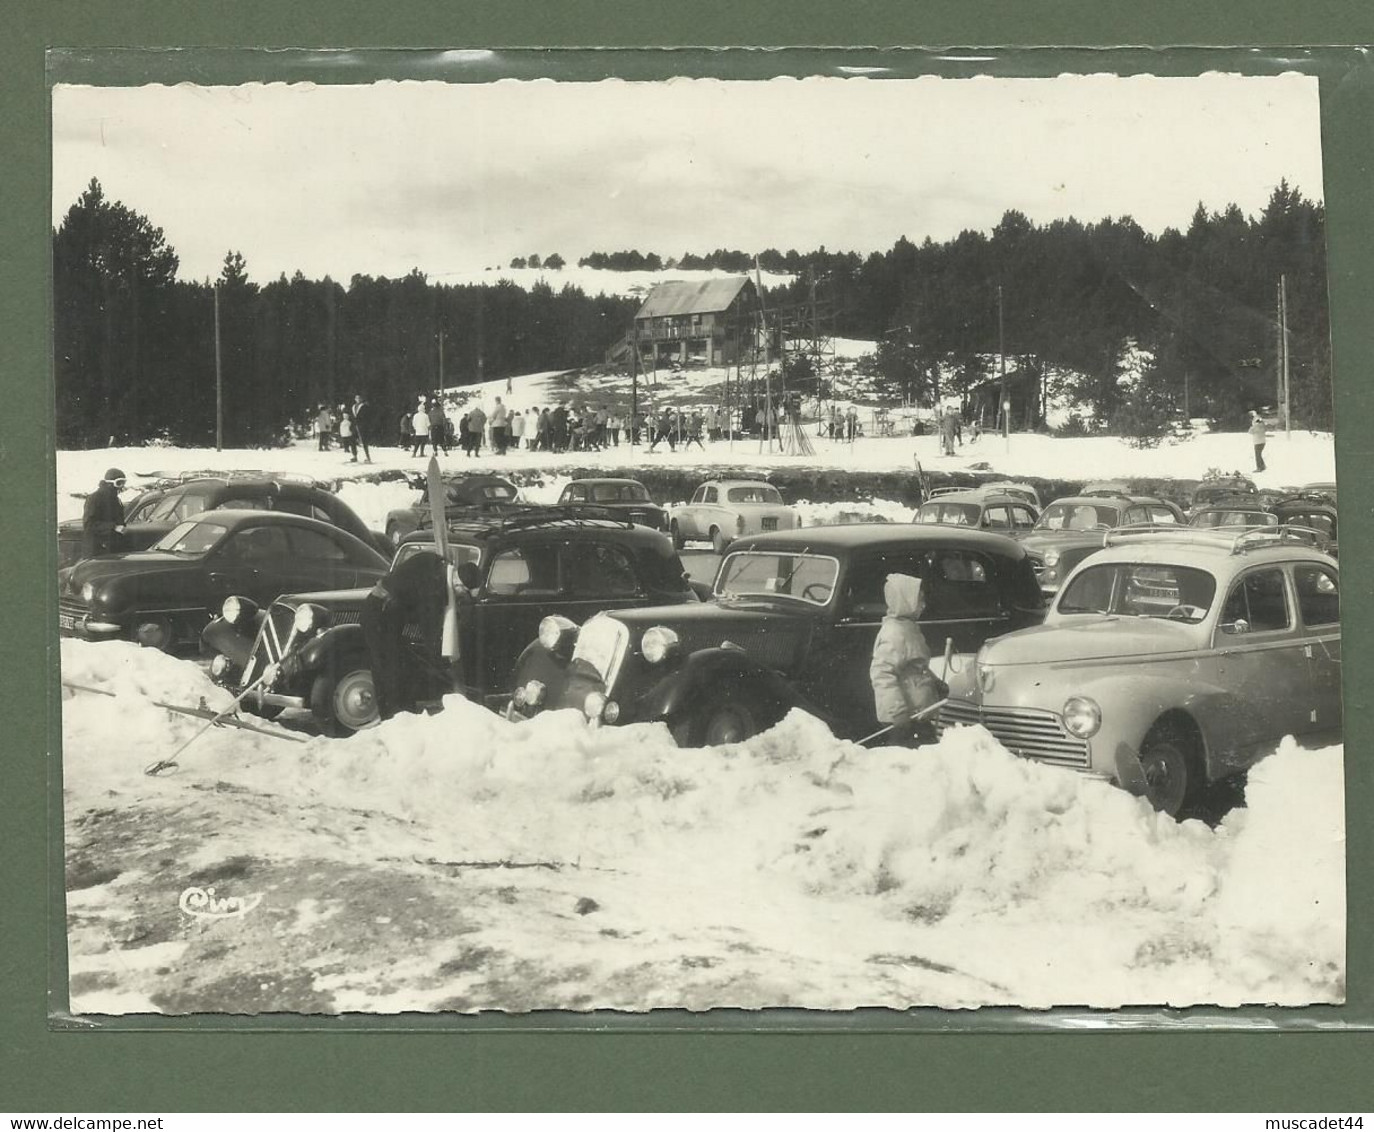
pixel 719 543
pixel 1174 774
pixel 344 705
pixel 153 633
pixel 678 541
pixel 729 716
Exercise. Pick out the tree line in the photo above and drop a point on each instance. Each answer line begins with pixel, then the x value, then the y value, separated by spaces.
pixel 134 344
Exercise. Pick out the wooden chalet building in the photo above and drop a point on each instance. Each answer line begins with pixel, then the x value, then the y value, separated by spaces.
pixel 711 321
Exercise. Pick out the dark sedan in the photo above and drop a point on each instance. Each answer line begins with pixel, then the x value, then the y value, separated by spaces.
pixel 791 623
pixel 629 499
pixel 477 493
pixel 165 596
pixel 1070 529
pixel 153 514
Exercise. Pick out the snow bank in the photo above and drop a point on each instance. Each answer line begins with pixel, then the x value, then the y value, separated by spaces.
pixel 1021 883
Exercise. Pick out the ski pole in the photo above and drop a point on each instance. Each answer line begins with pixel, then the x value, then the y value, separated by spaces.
pixel 936 706
pixel 171 760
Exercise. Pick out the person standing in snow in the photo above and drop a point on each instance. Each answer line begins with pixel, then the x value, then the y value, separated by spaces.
pixel 903 684
pixel 438 427
pixel 324 425
pixel 517 429
pixel 1258 435
pixel 477 427
pixel 362 415
pixel 347 434
pixel 403 430
pixel 498 428
pixel 102 516
pixel 419 426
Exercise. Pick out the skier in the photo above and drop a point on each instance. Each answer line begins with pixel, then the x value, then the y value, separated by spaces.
pixel 413 593
pixel 903 684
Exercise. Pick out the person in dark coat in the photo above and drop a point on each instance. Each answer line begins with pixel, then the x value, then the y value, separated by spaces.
pixel 102 518
pixel 438 426
pixel 362 421
pixel 413 593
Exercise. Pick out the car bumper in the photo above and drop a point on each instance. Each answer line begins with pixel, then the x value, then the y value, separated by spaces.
pixel 86 627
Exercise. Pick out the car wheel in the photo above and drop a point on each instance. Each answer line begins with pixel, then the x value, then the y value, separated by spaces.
pixel 678 541
pixel 345 705
pixel 719 543
pixel 1173 771
pixel 153 632
pixel 730 717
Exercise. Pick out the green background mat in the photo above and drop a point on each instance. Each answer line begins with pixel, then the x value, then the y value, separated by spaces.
pixel 870 1060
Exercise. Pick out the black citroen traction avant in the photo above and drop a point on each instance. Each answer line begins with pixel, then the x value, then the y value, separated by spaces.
pixel 790 623
pixel 521 567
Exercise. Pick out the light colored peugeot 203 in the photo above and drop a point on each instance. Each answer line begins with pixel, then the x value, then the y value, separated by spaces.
pixel 1170 661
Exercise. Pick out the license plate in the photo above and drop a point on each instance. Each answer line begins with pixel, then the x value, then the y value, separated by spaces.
pixel 770 524
pixel 66 620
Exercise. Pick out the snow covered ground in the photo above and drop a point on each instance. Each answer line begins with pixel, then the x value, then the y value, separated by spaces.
pixel 459 862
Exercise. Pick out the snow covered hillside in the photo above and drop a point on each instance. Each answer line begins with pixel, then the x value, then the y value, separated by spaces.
pixel 459 862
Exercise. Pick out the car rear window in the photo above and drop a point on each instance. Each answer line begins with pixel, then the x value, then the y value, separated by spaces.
pixel 619 493
pixel 1234 519
pixel 956 514
pixel 1077 517
pixel 759 494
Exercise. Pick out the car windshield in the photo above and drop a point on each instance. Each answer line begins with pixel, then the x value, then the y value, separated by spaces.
pixel 192 538
pixel 1141 589
pixel 1078 517
pixel 760 493
pixel 1242 519
pixel 178 507
pixel 458 552
pixel 958 514
pixel 801 576
pixel 466 492
pixel 619 493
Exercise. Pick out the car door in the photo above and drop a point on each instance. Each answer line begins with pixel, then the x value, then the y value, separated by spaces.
pixel 1317 587
pixel 521 587
pixel 688 520
pixel 323 560
pixel 1262 661
pixel 251 562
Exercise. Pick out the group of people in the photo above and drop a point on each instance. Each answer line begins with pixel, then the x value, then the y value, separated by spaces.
pixel 347 425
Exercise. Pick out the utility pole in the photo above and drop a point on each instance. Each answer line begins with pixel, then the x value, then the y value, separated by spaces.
pixel 1283 325
pixel 1002 363
pixel 441 359
pixel 219 381
pixel 634 379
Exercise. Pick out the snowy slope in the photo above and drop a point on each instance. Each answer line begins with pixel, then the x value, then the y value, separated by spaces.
pixel 459 862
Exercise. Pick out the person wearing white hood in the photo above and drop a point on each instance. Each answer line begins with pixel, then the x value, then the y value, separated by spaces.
pixel 903 684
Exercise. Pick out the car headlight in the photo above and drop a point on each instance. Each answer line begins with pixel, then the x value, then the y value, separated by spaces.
pixel 88 593
pixel 1051 558
pixel 237 610
pixel 556 632
pixel 309 617
pixel 611 712
pixel 221 667
pixel 1082 716
pixel 594 705
pixel 658 644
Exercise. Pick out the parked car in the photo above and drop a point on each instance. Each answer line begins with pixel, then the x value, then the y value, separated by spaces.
pixel 1070 529
pixel 1218 487
pixel 1022 491
pixel 791 623
pixel 1169 661
pixel 163 596
pixel 490 494
pixel 627 498
pixel 1324 487
pixel 987 510
pixel 724 510
pixel 522 567
pixel 1311 511
pixel 1235 513
pixel 152 514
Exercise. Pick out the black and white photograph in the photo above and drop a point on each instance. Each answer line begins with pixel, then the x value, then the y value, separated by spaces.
pixel 816 542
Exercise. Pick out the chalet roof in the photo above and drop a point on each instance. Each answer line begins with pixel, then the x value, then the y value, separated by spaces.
pixel 706 296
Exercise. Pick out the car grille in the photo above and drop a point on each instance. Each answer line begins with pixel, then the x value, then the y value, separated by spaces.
pixel 271 641
pixel 1032 733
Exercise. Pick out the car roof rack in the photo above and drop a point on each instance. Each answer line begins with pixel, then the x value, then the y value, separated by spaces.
pixel 1236 540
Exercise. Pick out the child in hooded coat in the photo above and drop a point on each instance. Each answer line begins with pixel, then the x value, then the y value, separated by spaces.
pixel 903 684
